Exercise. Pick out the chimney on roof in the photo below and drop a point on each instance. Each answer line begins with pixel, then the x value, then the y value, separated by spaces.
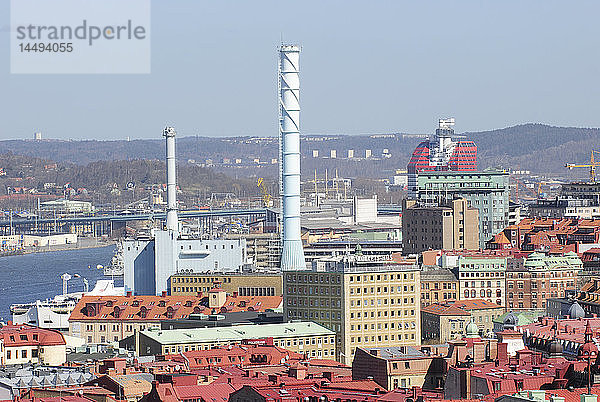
pixel 163 294
pixel 128 294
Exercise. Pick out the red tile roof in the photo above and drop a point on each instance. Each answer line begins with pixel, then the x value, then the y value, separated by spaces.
pixel 26 335
pixel 156 308
pixel 444 309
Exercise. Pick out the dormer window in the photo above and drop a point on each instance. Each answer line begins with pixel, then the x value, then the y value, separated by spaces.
pixel 109 303
pixel 161 303
pixel 188 303
pixel 135 303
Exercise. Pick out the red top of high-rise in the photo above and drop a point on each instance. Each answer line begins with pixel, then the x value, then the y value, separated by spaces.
pixel 463 158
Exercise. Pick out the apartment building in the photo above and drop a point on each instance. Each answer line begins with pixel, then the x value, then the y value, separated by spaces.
pixel 482 277
pixel 443 322
pixel 541 277
pixel 368 301
pixel 105 319
pixel 22 344
pixel 452 225
pixel 399 367
pixel 438 285
pixel 190 284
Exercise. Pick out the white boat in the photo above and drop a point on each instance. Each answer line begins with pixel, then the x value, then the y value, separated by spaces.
pixel 54 313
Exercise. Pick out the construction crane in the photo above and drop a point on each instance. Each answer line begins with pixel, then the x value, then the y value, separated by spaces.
pixel 267 199
pixel 592 165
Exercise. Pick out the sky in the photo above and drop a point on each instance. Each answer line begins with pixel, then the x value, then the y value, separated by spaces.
pixel 366 67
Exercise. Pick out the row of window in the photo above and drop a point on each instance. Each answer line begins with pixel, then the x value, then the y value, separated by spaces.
pixel 384 289
pixel 482 284
pixel 194 279
pixel 482 293
pixel 24 354
pixel 483 274
pixel 384 325
pixel 381 338
pixel 380 302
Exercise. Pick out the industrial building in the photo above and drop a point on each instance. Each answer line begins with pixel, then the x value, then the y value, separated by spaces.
pixel 441 153
pixel 368 301
pixel 149 263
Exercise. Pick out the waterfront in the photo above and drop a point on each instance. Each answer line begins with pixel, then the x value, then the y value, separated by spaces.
pixel 29 277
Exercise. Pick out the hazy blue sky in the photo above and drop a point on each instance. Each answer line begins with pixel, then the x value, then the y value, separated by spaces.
pixel 368 66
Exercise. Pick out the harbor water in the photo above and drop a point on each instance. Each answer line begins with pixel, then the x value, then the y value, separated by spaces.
pixel 29 277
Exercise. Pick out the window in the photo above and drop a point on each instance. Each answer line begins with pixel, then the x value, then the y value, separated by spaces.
pixel 24 354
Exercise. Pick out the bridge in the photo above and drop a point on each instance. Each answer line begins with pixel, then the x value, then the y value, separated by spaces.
pixel 110 224
pixel 98 225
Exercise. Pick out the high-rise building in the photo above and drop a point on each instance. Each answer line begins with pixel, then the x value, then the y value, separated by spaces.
pixel 441 153
pixel 453 226
pixel 368 301
pixel 488 191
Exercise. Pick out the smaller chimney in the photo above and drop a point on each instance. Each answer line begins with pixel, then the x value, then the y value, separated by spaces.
pixel 163 294
pixel 128 294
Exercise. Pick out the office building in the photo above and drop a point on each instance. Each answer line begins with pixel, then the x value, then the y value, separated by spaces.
pixel 368 301
pixel 300 337
pixel 190 284
pixel 453 226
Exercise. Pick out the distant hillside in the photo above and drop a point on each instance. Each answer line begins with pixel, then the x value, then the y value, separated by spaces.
pixel 536 147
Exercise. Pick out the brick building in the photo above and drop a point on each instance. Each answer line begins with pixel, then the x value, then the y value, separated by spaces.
pixel 541 277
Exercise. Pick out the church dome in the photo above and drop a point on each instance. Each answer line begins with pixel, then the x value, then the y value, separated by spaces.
pixel 472 330
pixel 510 321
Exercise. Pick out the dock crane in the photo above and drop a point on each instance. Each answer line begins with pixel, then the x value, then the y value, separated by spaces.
pixel 592 165
pixel 266 197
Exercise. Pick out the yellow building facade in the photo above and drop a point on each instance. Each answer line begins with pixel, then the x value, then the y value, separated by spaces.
pixel 367 301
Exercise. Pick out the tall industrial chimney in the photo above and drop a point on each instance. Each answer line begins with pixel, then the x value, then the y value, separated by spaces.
pixel 172 223
pixel 292 256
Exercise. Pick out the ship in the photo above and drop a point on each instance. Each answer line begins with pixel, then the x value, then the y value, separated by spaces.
pixel 54 313
pixel 116 266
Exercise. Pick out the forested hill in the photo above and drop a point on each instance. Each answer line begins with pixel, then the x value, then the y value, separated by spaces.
pixel 536 147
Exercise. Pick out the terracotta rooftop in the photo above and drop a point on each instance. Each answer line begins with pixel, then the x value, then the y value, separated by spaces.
pixel 156 308
pixel 26 335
